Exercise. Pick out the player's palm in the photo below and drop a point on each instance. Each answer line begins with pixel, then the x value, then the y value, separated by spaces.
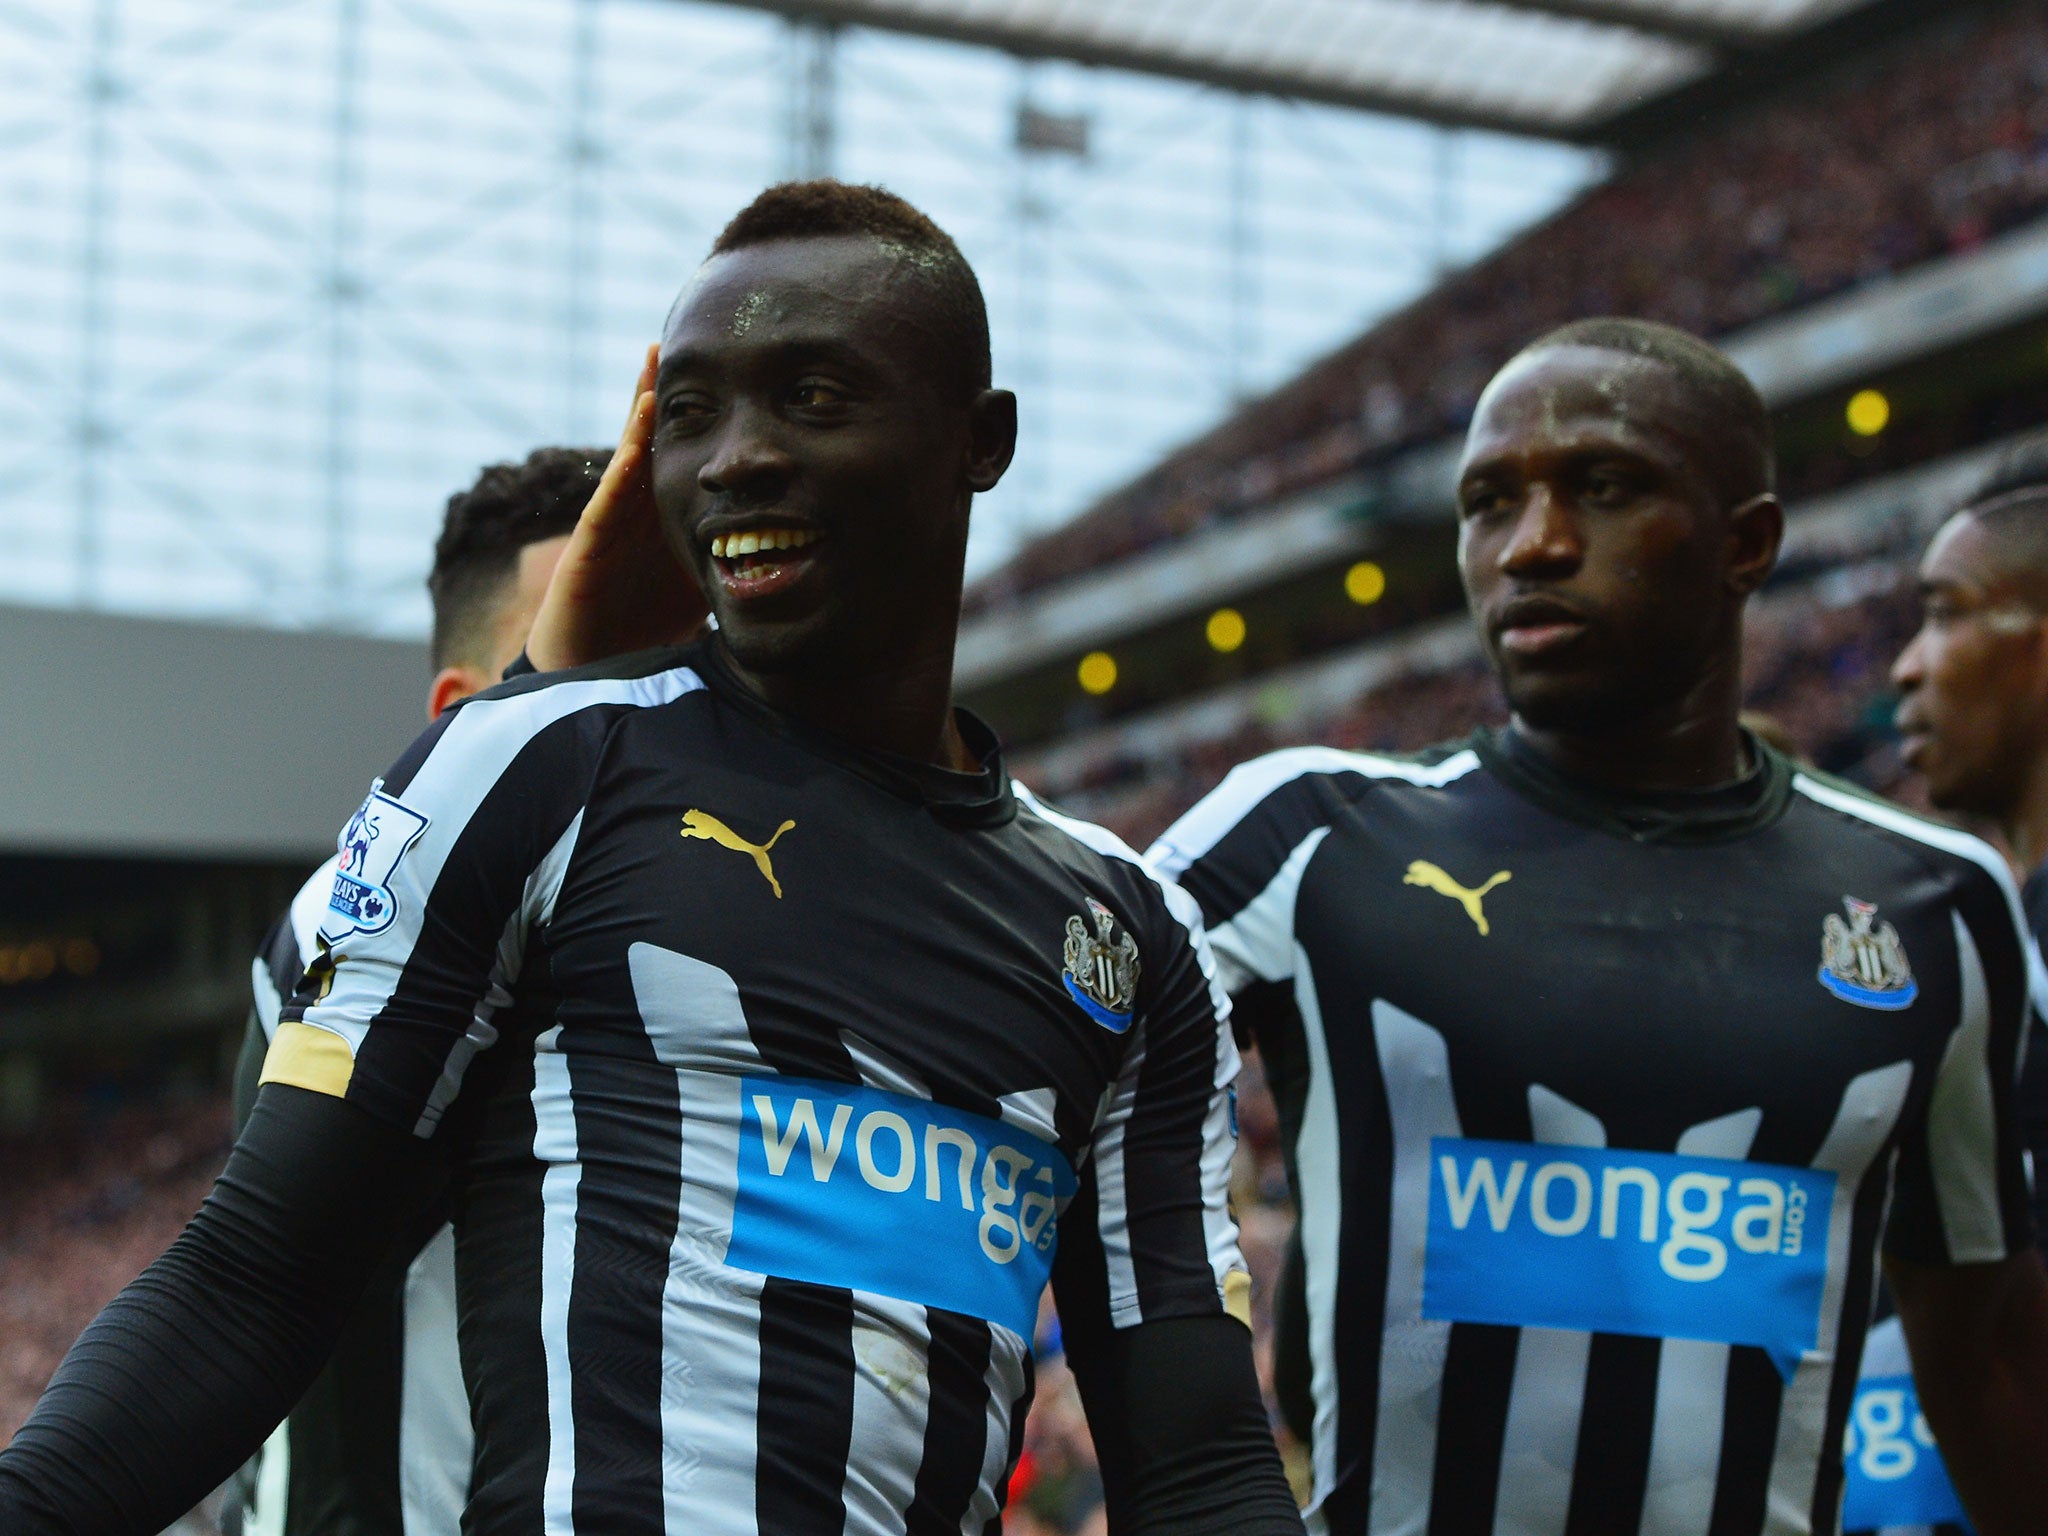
pixel 618 587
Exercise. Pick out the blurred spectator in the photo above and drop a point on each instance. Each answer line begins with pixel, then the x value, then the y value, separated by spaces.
pixel 92 1197
pixel 1930 148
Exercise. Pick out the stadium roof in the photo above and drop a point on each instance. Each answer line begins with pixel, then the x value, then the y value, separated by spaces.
pixel 1553 68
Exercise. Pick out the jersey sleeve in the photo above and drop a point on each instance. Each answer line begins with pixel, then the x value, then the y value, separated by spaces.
pixel 1961 1192
pixel 1160 1161
pixel 1240 852
pixel 450 863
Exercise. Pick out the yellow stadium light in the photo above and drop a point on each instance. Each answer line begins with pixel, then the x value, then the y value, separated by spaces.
pixel 1869 413
pixel 1098 672
pixel 1365 583
pixel 1226 630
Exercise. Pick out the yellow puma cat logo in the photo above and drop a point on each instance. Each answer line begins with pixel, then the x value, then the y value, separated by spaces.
pixel 1432 877
pixel 703 824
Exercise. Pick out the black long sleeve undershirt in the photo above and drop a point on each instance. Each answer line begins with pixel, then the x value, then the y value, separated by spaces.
pixel 190 1367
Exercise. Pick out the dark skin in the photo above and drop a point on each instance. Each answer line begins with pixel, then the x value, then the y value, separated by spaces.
pixel 1607 555
pixel 1973 683
pixel 793 393
pixel 1609 535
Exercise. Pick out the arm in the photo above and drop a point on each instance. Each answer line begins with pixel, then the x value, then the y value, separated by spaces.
pixel 1174 1406
pixel 1154 1297
pixel 190 1367
pixel 1978 1334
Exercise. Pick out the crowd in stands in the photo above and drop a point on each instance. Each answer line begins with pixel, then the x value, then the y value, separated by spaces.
pixel 1930 149
pixel 93 1194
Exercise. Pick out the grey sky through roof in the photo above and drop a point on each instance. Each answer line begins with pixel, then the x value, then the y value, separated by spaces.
pixel 1535 66
pixel 283 275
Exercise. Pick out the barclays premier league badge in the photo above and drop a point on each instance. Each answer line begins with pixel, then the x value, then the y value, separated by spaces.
pixel 371 845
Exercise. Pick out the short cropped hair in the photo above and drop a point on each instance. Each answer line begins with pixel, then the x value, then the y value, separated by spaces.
pixel 2011 505
pixel 1707 372
pixel 485 528
pixel 824 209
pixel 2022 467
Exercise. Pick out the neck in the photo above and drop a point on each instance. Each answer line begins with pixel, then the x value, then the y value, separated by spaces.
pixel 902 707
pixel 1695 742
pixel 2025 824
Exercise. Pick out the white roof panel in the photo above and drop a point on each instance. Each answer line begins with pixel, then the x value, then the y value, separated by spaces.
pixel 1531 66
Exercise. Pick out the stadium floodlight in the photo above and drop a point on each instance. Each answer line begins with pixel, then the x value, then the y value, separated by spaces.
pixel 1869 412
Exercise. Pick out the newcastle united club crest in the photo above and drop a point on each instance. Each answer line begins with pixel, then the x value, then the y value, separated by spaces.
pixel 1102 968
pixel 1862 960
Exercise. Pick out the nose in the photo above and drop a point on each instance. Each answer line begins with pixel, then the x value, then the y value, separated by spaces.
pixel 748 463
pixel 1910 670
pixel 1545 538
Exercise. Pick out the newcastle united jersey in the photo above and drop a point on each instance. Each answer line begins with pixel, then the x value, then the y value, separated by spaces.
pixel 1596 1108
pixel 778 1079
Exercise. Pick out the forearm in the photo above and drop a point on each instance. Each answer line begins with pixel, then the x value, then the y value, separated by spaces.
pixel 1181 1433
pixel 1979 1340
pixel 185 1372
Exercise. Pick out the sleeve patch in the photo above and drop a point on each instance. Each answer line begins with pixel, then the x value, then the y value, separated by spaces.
pixel 370 847
pixel 307 1056
pixel 1237 1296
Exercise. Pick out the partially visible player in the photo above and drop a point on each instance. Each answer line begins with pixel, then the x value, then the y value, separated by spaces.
pixel 1606 1043
pixel 1974 718
pixel 380 1445
pixel 783 1049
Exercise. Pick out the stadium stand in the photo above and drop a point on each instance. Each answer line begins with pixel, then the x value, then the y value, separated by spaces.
pixel 1927 149
pixel 94 1194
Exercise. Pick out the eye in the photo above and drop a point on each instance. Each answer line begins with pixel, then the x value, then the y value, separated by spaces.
pixel 1482 501
pixel 812 394
pixel 1609 488
pixel 684 406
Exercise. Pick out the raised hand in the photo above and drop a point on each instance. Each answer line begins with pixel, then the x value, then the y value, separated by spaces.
pixel 618 587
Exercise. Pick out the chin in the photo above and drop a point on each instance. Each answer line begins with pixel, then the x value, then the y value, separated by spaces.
pixel 1570 706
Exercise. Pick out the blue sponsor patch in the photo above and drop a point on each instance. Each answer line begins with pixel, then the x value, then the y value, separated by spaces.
pixel 369 849
pixel 1541 1236
pixel 1895 1473
pixel 880 1192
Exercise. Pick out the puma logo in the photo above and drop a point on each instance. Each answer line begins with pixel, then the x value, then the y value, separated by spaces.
pixel 703 824
pixel 1431 877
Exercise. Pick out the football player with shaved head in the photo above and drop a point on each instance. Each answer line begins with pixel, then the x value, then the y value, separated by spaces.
pixel 1608 1044
pixel 780 1049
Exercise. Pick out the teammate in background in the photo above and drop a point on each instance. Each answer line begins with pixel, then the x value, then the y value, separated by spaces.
pixel 1974 711
pixel 1974 716
pixel 1603 1042
pixel 782 1049
pixel 380 1445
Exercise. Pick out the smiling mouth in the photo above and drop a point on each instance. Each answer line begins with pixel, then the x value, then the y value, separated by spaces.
pixel 760 561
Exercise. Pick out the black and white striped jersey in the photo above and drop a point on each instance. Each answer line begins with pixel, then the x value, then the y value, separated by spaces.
pixel 381 1443
pixel 778 1078
pixel 1596 1108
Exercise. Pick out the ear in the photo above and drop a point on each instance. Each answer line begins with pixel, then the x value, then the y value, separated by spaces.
pixel 991 438
pixel 452 685
pixel 1755 530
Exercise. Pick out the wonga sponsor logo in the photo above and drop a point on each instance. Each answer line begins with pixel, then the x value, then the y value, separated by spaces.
pixel 1540 1236
pixel 879 1192
pixel 1896 1475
